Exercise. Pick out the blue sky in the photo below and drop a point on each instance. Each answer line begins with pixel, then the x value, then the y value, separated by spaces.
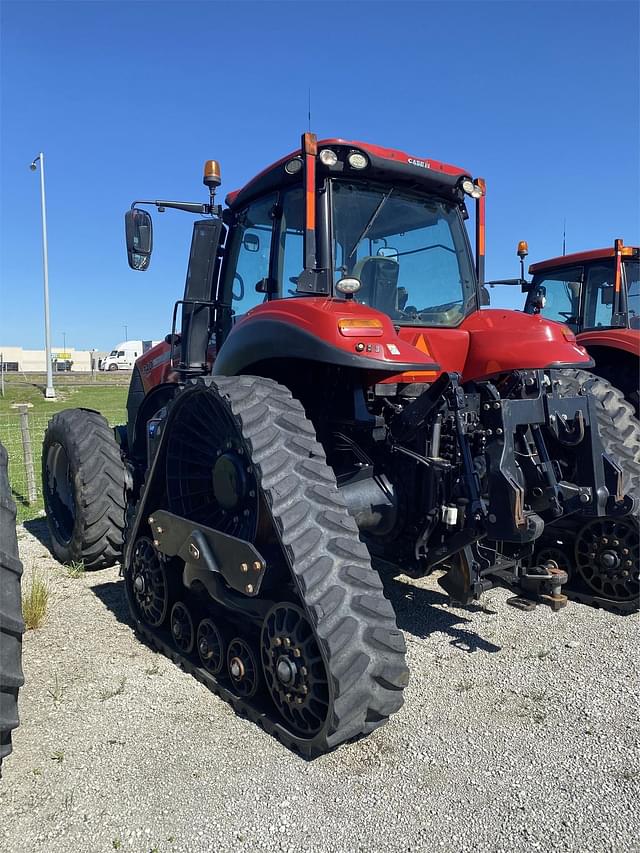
pixel 128 99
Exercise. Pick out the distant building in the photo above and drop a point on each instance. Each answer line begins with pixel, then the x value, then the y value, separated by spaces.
pixel 19 360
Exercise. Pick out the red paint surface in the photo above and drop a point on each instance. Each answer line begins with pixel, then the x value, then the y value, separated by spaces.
pixel 319 316
pixel 624 339
pixel 485 344
pixel 580 258
pixel 375 150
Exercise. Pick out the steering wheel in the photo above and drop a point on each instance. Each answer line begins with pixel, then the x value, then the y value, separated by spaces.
pixel 234 295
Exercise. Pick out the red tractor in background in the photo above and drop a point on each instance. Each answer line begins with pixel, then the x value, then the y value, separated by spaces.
pixel 597 294
pixel 334 408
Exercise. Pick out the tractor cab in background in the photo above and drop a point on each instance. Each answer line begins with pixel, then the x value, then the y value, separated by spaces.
pixel 596 294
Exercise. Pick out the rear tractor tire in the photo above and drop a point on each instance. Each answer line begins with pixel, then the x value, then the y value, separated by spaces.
pixel 11 622
pixel 84 487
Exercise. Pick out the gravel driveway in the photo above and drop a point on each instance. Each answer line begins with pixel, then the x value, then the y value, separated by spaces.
pixel 519 732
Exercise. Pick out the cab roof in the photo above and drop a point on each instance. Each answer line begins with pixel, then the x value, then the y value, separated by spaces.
pixel 582 257
pixel 396 165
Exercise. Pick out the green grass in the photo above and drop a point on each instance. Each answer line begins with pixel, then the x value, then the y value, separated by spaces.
pixel 75 569
pixel 35 600
pixel 107 394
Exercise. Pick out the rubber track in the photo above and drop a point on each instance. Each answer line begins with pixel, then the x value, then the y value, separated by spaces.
pixel 343 596
pixel 100 490
pixel 11 622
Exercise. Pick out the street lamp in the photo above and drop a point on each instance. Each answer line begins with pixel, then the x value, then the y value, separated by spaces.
pixel 64 342
pixel 126 332
pixel 49 390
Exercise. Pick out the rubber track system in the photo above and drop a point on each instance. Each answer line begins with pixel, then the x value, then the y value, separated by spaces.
pixel 620 433
pixel 11 622
pixel 99 478
pixel 355 626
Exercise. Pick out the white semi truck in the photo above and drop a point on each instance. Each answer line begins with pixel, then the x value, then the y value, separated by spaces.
pixel 123 356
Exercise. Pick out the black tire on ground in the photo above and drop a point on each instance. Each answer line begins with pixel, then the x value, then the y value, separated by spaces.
pixel 11 622
pixel 113 367
pixel 84 488
pixel 619 428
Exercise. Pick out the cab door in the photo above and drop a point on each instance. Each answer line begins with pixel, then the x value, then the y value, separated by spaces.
pixel 562 294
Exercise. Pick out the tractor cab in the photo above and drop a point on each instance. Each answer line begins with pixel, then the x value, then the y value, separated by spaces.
pixel 589 290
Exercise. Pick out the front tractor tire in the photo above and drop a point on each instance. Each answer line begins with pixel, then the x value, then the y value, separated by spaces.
pixel 84 488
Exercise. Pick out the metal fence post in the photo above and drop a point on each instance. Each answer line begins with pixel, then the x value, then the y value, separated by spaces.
pixel 27 452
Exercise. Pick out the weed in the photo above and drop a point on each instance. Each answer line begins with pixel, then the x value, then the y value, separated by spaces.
pixel 116 844
pixel 152 670
pixel 68 801
pixel 37 771
pixel 34 602
pixel 110 692
pixel 57 691
pixel 75 569
pixel 58 756
pixel 465 685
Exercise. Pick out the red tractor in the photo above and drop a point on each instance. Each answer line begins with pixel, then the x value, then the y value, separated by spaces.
pixel 334 407
pixel 597 294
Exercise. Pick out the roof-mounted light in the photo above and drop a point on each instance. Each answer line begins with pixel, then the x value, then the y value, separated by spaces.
pixel 348 286
pixel 211 174
pixel 523 249
pixel 472 188
pixel 293 166
pixel 328 157
pixel 357 160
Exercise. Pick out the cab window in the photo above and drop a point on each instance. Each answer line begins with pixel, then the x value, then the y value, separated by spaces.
pixel 251 252
pixel 632 277
pixel 562 297
pixel 290 260
pixel 599 288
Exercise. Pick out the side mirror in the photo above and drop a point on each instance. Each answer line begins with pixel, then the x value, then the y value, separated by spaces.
pixel 251 242
pixel 537 299
pixel 485 297
pixel 388 252
pixel 138 229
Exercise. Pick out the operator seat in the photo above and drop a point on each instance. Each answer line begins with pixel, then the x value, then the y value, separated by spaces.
pixel 378 278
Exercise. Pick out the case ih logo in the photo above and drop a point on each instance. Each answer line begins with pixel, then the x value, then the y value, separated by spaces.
pixel 424 164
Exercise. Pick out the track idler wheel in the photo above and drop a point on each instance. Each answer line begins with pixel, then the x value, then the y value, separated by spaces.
pixel 182 629
pixel 243 667
pixel 148 586
pixel 294 671
pixel 607 554
pixel 210 645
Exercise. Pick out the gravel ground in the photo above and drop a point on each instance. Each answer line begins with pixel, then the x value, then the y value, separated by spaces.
pixel 519 732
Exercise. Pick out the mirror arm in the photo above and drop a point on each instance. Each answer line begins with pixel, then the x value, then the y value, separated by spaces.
pixel 188 206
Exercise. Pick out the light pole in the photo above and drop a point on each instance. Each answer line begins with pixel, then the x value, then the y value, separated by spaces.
pixel 64 342
pixel 126 333
pixel 49 390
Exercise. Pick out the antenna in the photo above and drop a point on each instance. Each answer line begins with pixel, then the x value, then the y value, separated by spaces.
pixel 309 108
pixel 564 237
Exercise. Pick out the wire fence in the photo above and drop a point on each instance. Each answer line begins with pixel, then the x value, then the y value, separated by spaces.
pixel 22 434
